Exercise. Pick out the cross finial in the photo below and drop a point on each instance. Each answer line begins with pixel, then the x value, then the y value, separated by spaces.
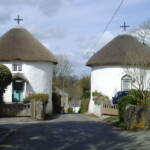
pixel 124 26
pixel 18 19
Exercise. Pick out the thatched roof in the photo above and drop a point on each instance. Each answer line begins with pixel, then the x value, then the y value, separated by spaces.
pixel 19 44
pixel 19 76
pixel 115 52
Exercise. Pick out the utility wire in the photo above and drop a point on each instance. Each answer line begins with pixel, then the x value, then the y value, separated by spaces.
pixel 106 26
pixel 84 56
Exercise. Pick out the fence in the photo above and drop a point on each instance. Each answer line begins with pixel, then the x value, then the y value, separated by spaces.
pixel 109 109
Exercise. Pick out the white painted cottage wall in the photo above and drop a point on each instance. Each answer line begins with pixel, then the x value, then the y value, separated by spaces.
pixel 39 75
pixel 107 80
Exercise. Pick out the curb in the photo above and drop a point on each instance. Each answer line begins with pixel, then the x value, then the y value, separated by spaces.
pixel 9 133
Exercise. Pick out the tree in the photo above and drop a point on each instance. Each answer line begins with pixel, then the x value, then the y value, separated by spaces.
pixel 85 86
pixel 5 80
pixel 137 68
pixel 142 32
pixel 62 70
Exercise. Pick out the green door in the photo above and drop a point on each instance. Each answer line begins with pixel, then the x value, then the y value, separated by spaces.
pixel 17 91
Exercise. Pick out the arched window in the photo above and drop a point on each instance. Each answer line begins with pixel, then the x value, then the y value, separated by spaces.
pixel 126 82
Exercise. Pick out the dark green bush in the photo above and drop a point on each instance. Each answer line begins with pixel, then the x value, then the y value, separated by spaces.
pixel 70 109
pixel 145 101
pixel 28 99
pixel 122 103
pixel 133 97
pixel 56 100
pixel 42 97
pixel 5 80
pixel 136 95
pixel 86 94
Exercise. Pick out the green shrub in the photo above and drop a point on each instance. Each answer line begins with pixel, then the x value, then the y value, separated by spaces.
pixel 136 95
pixel 145 101
pixel 122 103
pixel 28 99
pixel 70 109
pixel 84 105
pixel 5 80
pixel 98 97
pixel 56 100
pixel 86 94
pixel 42 97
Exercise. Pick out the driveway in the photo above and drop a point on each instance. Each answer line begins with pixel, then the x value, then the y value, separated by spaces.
pixel 74 132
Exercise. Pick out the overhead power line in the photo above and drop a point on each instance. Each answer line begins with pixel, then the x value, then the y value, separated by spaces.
pixel 106 26
pixel 84 56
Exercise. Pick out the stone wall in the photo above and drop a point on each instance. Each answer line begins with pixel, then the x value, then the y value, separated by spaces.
pixel 17 110
pixel 35 109
pixel 137 117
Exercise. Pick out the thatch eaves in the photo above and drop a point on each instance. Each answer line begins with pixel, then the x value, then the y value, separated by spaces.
pixel 116 51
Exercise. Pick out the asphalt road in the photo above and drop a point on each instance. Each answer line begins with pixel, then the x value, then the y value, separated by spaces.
pixel 74 132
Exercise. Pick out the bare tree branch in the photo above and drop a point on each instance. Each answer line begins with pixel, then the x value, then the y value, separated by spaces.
pixel 62 70
pixel 142 32
pixel 137 68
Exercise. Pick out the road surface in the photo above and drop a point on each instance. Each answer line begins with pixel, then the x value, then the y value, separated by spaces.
pixel 74 132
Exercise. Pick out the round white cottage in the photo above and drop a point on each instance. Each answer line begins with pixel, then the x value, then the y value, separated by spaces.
pixel 107 67
pixel 31 64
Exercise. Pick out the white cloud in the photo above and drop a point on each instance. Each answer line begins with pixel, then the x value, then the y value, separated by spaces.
pixel 92 43
pixel 107 37
pixel 47 33
pixel 50 7
pixel 4 14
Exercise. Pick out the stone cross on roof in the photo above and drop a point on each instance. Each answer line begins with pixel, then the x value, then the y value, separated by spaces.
pixel 18 19
pixel 124 26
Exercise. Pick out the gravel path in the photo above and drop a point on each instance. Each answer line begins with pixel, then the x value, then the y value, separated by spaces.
pixel 75 132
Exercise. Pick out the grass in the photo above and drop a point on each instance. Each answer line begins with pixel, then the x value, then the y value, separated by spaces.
pixel 111 118
pixel 93 115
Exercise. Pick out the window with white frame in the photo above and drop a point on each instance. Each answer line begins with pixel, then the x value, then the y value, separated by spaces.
pixel 126 82
pixel 17 67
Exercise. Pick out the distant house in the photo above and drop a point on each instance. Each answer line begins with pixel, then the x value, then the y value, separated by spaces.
pixel 107 67
pixel 75 104
pixel 31 65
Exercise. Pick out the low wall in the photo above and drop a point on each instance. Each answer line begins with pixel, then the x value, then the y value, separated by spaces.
pixel 16 109
pixel 38 110
pixel 97 110
pixel 137 117
pixel 34 109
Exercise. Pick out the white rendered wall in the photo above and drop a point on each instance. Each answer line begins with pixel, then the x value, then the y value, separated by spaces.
pixel 107 80
pixel 39 75
pixel 76 109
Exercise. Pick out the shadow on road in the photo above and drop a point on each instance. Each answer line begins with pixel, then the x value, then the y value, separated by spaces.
pixel 81 135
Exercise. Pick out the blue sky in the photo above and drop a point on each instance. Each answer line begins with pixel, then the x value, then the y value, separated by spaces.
pixel 71 27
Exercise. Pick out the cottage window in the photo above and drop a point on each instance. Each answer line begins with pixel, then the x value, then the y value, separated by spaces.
pixel 126 82
pixel 17 67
